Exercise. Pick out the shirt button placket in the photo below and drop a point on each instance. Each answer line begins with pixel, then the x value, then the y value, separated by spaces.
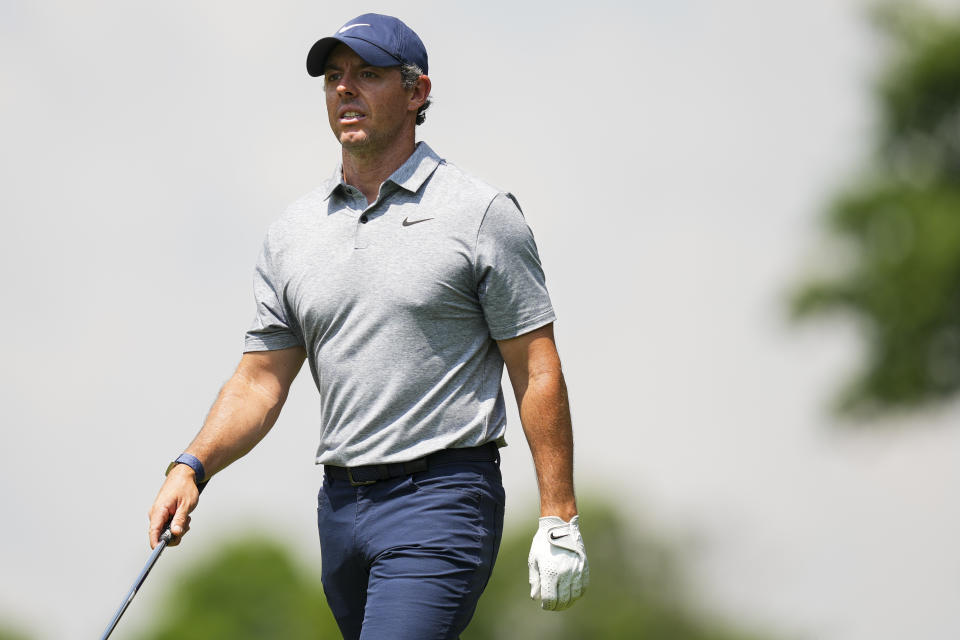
pixel 362 236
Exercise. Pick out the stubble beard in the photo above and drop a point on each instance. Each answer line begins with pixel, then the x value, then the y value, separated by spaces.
pixel 371 143
pixel 362 147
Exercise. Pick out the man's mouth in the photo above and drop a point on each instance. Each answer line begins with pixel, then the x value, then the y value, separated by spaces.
pixel 351 117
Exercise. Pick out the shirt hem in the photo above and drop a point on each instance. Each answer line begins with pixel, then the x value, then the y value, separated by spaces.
pixel 537 321
pixel 260 344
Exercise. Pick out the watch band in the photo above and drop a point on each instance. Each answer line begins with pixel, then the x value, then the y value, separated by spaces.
pixel 193 463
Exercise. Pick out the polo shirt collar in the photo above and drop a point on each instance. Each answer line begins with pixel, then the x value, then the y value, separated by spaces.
pixel 410 176
pixel 419 166
pixel 333 182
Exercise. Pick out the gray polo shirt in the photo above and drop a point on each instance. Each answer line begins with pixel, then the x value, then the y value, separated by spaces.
pixel 398 305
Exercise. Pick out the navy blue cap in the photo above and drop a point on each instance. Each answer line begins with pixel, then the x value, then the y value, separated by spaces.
pixel 383 41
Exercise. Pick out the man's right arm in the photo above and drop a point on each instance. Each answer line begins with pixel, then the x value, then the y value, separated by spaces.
pixel 247 407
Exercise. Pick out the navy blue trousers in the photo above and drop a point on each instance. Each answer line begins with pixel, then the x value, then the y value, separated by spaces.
pixel 407 558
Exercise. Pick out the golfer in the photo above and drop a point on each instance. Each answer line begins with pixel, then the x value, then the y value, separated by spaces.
pixel 407 285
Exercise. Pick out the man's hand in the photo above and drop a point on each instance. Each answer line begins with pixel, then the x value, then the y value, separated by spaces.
pixel 177 498
pixel 559 573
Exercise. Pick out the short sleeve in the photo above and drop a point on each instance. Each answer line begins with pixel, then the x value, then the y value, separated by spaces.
pixel 510 281
pixel 271 329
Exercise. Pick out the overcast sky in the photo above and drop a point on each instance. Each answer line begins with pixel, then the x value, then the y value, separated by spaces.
pixel 671 156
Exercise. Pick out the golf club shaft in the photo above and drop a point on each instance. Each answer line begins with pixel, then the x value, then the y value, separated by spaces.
pixel 164 539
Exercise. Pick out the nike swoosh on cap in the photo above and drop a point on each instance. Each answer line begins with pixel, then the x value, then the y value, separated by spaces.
pixel 351 26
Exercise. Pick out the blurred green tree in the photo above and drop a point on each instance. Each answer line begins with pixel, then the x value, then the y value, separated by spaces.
pixel 7 633
pixel 636 592
pixel 253 589
pixel 899 224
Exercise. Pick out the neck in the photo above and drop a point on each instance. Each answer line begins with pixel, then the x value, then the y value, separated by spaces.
pixel 366 169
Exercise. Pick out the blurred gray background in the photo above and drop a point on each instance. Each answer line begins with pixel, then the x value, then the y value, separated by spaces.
pixel 673 159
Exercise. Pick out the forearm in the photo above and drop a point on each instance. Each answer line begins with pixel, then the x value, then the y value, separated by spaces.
pixel 545 415
pixel 243 413
pixel 245 410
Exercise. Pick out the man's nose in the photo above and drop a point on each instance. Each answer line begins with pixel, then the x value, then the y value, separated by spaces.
pixel 345 86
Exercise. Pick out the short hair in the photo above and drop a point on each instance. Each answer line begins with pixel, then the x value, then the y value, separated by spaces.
pixel 410 74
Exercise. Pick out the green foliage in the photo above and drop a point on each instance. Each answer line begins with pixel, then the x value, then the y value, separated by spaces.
pixel 251 590
pixel 7 633
pixel 901 224
pixel 920 91
pixel 635 592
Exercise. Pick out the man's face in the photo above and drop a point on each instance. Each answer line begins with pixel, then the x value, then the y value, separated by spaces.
pixel 367 106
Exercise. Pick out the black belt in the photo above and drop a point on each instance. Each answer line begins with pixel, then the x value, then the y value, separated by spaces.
pixel 368 474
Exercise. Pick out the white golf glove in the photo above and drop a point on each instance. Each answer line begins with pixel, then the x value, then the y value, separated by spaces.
pixel 559 573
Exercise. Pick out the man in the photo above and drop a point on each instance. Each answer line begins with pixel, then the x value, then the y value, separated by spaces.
pixel 407 285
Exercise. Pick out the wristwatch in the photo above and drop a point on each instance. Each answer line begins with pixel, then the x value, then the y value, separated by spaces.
pixel 193 463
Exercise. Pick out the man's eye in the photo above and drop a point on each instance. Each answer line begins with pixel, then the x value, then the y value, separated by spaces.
pixel 368 74
pixel 333 77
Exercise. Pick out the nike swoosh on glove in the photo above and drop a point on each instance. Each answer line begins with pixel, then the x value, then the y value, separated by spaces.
pixel 559 572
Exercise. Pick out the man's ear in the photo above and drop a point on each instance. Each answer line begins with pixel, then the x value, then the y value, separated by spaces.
pixel 420 93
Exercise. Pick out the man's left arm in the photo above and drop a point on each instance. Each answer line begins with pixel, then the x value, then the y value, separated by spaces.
pixel 558 564
pixel 534 368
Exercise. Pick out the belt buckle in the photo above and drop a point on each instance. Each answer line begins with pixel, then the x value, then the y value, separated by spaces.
pixel 357 483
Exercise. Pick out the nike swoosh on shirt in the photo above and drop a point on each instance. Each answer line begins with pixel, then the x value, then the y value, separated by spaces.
pixel 407 222
pixel 351 26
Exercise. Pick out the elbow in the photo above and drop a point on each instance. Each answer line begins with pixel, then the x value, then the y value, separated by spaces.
pixel 547 382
